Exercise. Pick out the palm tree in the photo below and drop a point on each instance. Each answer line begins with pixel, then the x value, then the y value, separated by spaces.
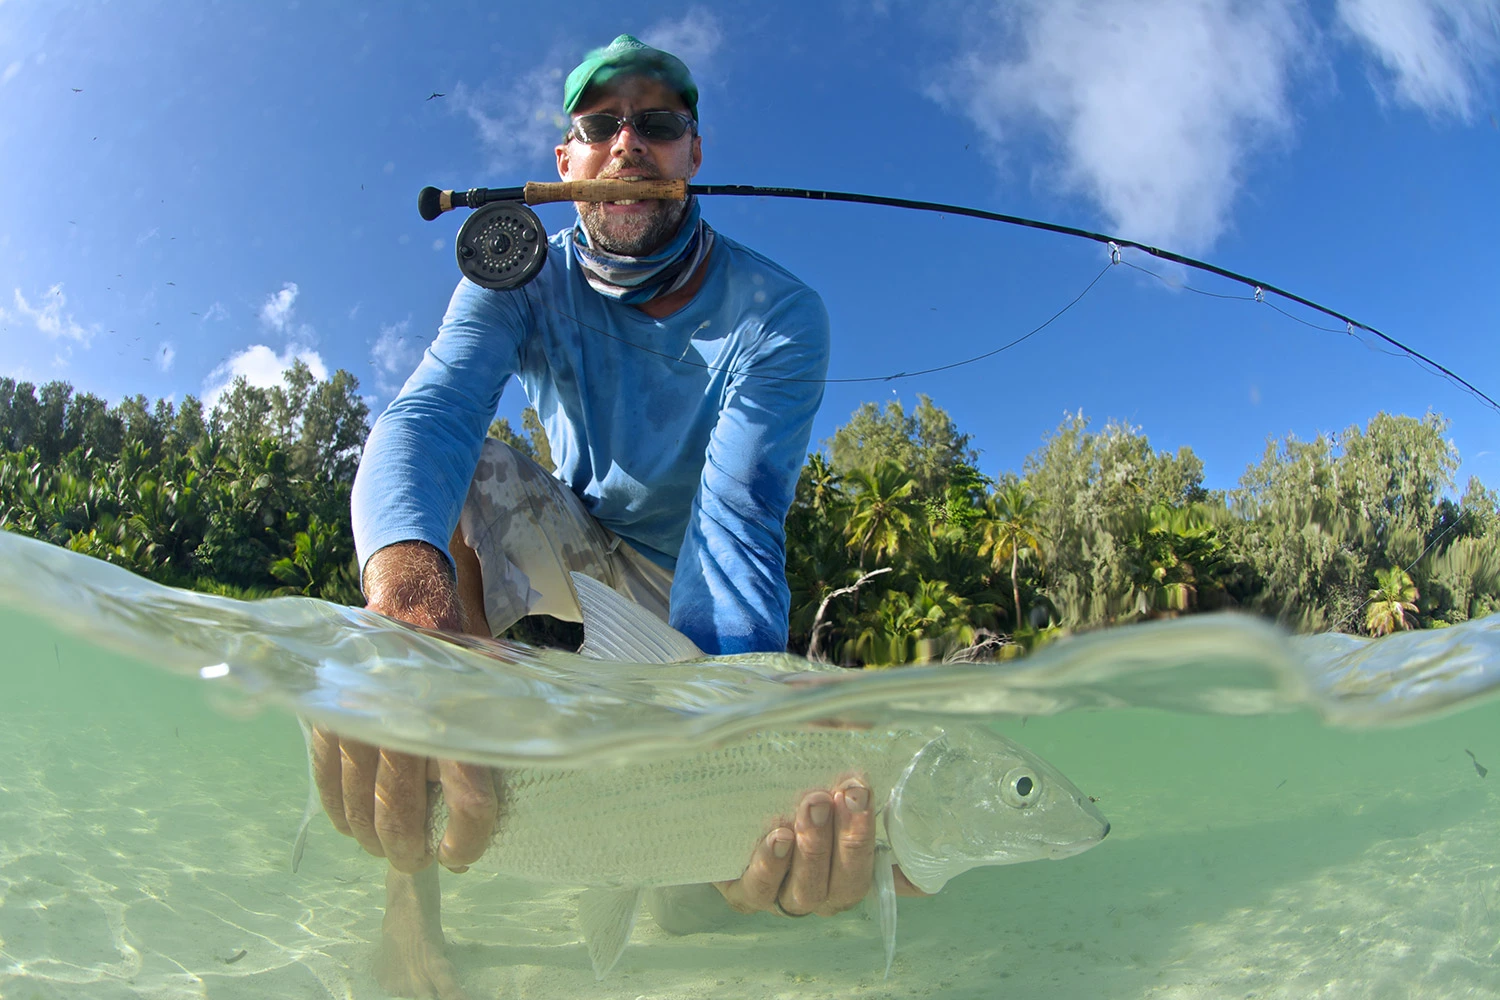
pixel 880 519
pixel 1012 525
pixel 319 565
pixel 819 483
pixel 1394 595
pixel 1170 552
pixel 917 626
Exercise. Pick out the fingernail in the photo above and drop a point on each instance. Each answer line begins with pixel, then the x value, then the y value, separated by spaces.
pixel 818 814
pixel 781 844
pixel 857 798
pixel 446 860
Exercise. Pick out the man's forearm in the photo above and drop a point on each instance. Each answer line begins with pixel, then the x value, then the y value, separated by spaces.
pixel 414 582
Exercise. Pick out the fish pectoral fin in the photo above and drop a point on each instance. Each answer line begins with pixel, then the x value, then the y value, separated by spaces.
pixel 313 802
pixel 606 917
pixel 885 900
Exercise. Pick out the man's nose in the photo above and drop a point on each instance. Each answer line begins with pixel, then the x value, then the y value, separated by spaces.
pixel 627 141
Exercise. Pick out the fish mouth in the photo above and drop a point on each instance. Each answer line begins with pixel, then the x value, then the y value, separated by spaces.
pixel 1060 851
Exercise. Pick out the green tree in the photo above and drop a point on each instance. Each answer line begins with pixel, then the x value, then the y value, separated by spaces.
pixel 1092 487
pixel 880 518
pixel 926 443
pixel 534 446
pixel 1012 527
pixel 1394 595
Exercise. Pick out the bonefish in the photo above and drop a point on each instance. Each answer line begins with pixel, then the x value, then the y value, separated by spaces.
pixel 946 799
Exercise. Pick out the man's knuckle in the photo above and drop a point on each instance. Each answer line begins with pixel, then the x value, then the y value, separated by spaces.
pixel 817 852
pixel 395 828
pixel 856 842
pixel 471 802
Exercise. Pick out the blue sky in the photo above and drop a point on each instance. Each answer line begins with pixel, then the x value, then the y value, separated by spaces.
pixel 196 190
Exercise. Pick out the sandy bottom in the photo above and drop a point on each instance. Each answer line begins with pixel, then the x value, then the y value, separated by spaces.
pixel 145 843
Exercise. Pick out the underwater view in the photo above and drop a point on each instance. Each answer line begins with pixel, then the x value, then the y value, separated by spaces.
pixel 1288 817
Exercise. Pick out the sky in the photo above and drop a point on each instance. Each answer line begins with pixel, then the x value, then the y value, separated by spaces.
pixel 195 191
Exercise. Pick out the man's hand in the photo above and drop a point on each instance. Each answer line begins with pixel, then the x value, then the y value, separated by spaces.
pixel 379 796
pixel 821 863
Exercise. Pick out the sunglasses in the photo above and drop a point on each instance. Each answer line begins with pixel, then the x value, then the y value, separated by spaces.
pixel 656 126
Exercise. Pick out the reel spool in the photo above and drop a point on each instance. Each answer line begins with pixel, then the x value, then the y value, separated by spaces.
pixel 501 245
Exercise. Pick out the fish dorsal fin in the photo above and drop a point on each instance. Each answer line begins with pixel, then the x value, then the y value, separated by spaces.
pixel 617 628
pixel 606 917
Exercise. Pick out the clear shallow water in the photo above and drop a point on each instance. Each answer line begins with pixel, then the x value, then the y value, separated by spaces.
pixel 1273 851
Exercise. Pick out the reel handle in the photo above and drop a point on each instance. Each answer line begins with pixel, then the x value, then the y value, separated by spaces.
pixel 432 202
pixel 543 192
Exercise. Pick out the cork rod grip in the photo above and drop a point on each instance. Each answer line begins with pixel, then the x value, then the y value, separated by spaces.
pixel 541 192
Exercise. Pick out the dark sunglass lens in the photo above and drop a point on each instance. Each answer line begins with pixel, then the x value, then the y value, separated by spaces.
pixel 661 125
pixel 596 128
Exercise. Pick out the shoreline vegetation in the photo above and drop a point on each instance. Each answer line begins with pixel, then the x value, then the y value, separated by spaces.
pixel 899 548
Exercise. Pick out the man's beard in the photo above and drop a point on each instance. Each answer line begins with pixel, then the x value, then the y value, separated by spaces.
pixel 636 235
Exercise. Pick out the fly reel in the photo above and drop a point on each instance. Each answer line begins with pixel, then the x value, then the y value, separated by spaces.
pixel 502 245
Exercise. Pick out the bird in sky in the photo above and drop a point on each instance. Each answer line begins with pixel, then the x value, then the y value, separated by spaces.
pixel 77 90
pixel 436 94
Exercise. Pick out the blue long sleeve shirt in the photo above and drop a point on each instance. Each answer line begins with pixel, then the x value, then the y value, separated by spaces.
pixel 683 435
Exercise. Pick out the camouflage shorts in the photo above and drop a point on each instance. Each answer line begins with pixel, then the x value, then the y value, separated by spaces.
pixel 530 531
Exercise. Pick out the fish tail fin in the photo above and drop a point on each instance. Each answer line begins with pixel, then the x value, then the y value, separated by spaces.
pixel 606 917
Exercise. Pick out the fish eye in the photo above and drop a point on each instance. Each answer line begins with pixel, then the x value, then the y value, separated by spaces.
pixel 1021 787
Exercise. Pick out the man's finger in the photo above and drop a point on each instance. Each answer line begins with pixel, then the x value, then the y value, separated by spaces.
pixel 471 793
pixel 401 810
pixel 853 861
pixel 806 887
pixel 756 889
pixel 358 764
pixel 328 775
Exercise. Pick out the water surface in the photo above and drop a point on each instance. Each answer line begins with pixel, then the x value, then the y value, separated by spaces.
pixel 1290 817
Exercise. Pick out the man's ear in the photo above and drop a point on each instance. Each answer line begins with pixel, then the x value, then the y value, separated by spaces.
pixel 562 159
pixel 697 155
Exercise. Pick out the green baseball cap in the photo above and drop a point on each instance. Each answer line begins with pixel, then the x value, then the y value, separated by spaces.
pixel 628 54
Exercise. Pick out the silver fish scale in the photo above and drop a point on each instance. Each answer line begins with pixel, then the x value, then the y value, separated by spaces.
pixel 680 821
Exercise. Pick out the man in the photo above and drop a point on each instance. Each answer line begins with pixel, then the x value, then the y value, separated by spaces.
pixel 677 373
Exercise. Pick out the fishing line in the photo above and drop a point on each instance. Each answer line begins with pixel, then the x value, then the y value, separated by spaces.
pixel 680 359
pixel 497 245
pixel 1347 331
pixel 1339 625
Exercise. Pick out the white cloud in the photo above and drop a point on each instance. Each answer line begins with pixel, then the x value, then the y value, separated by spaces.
pixel 261 366
pixel 1435 52
pixel 165 355
pixel 1153 106
pixel 394 356
pixel 216 313
pixel 520 125
pixel 694 38
pixel 10 72
pixel 150 234
pixel 50 317
pixel 277 311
